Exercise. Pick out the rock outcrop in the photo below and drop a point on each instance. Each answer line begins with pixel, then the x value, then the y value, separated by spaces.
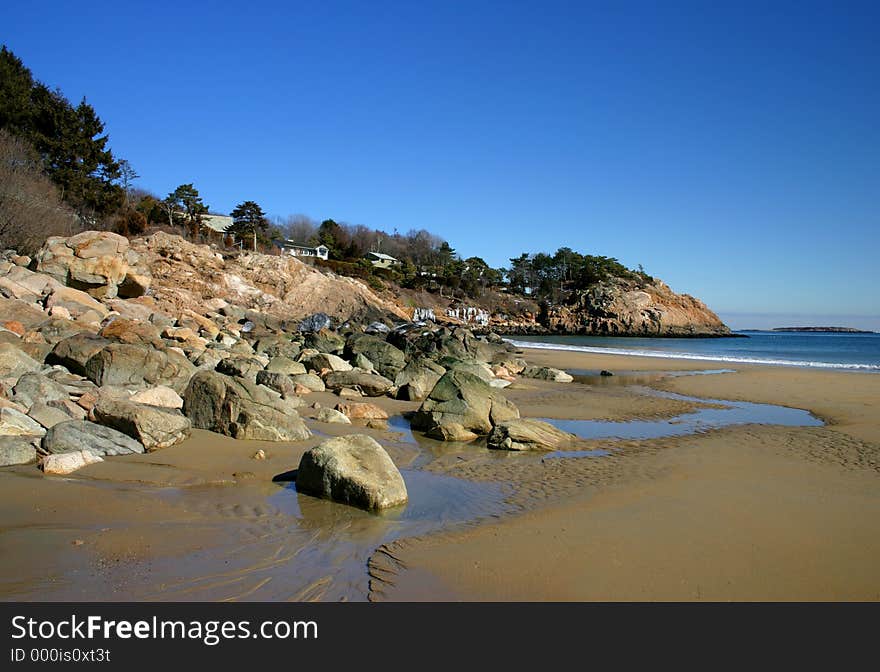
pixel 625 308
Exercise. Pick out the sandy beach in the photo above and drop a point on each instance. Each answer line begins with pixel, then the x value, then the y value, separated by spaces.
pixel 742 513
pixel 745 512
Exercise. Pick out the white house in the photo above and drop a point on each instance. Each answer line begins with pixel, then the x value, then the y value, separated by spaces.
pixel 319 252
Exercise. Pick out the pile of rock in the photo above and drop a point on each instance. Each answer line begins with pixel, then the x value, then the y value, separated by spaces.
pixel 93 364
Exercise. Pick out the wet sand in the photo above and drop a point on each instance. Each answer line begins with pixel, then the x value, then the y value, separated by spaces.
pixel 741 513
pixel 746 512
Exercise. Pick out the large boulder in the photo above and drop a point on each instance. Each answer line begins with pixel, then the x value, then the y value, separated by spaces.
pixel 75 351
pixel 242 366
pixel 16 450
pixel 468 365
pixel 133 332
pixel 354 470
pixel 161 395
pixel 15 423
pixel 48 416
pixel 154 426
pixel 280 382
pixel 241 409
pixel 417 379
pixel 332 416
pixel 81 435
pixel 325 341
pixel 322 361
pixel 76 302
pixel 546 373
pixel 97 262
pixel 527 434
pixel 309 381
pixel 139 366
pixel 33 387
pixel 462 400
pixel 385 358
pixel 21 311
pixel 370 384
pixel 315 323
pixel 14 362
pixel 280 364
pixel 66 463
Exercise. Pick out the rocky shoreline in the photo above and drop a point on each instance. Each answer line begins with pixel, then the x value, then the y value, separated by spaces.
pixel 99 357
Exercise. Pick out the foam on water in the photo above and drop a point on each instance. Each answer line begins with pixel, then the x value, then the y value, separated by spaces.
pixel 703 357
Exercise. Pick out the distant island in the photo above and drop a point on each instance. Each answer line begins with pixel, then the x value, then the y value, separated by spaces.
pixel 828 330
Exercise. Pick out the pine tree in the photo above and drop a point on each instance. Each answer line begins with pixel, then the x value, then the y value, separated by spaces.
pixel 248 219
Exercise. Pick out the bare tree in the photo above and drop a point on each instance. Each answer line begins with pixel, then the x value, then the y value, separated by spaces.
pixel 31 209
pixel 301 229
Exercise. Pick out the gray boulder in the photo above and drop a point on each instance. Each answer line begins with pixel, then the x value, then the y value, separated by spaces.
pixel 81 435
pixel 325 341
pixel 280 382
pixel 154 426
pixel 332 416
pixel 546 373
pixel 417 379
pixel 468 365
pixel 386 359
pixel 354 470
pixel 33 387
pixel 322 361
pixel 241 366
pixel 459 401
pixel 241 409
pixel 14 362
pixel 310 381
pixel 75 351
pixel 286 365
pixel 370 384
pixel 527 434
pixel 315 323
pixel 46 415
pixel 139 366
pixel 16 450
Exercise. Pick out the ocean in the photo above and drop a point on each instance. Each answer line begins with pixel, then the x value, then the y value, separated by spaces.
pixel 856 352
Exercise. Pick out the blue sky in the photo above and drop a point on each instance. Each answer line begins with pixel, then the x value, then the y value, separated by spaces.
pixel 733 151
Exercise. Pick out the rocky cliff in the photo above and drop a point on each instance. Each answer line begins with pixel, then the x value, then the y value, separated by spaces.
pixel 185 275
pixel 624 308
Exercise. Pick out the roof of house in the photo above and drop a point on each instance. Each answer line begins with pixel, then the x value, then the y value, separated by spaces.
pixel 217 223
pixel 381 255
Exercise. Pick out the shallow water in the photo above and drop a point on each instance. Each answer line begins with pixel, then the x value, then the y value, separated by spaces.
pixel 700 420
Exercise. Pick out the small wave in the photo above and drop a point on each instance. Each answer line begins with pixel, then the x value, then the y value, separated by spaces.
pixel 658 354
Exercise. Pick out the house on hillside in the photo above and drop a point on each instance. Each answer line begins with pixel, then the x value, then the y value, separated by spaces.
pixel 319 252
pixel 381 260
pixel 218 223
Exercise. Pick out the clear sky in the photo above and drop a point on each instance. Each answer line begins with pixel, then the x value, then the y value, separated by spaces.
pixel 732 150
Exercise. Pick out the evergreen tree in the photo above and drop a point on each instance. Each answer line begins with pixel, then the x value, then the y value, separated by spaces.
pixel 186 202
pixel 248 219
pixel 70 140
